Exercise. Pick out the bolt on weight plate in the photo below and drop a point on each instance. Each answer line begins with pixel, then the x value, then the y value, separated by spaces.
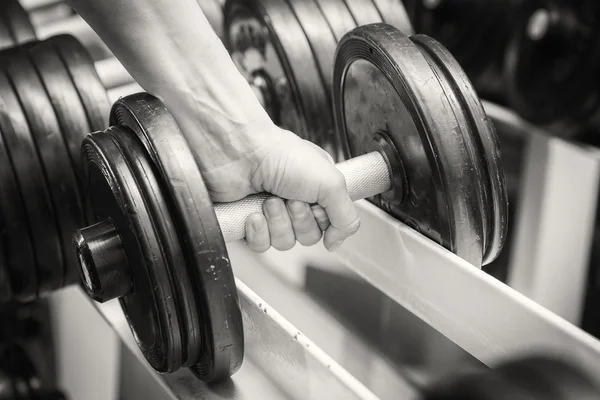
pixel 58 175
pixel 552 65
pixel 363 11
pixel 166 231
pixel 17 21
pixel 73 124
pixel 201 238
pixel 322 44
pixel 399 88
pixel 265 36
pixel 85 78
pixel 150 304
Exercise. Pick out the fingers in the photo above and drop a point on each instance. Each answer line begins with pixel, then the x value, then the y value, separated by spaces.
pixel 306 228
pixel 279 223
pixel 334 198
pixel 257 233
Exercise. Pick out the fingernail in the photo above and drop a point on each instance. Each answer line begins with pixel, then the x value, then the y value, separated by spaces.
pixel 256 223
pixel 273 208
pixel 297 208
pixel 335 245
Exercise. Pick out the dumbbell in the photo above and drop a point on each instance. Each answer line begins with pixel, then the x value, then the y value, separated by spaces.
pixel 159 244
pixel 286 50
pixel 551 66
pixel 52 95
pixel 475 31
pixel 19 379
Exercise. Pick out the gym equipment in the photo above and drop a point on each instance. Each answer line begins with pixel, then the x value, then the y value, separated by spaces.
pixel 285 49
pixel 551 66
pixel 152 209
pixel 51 97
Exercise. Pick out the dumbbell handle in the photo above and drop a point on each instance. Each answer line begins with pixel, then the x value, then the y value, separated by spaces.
pixel 366 176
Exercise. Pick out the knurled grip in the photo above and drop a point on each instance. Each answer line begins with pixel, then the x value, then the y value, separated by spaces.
pixel 366 176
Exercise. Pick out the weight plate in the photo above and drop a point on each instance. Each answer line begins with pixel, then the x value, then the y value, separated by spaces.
pixel 363 11
pixel 6 39
pixel 264 37
pixel 85 78
pixel 17 21
pixel 214 14
pixel 73 124
pixel 322 44
pixel 338 17
pixel 114 192
pixel 551 65
pixel 166 231
pixel 57 170
pixel 384 83
pixel 199 232
pixel 393 12
pixel 5 288
pixel 34 196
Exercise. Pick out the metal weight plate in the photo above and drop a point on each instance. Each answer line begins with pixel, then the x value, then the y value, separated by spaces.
pixel 151 309
pixel 198 229
pixel 265 38
pixel 385 86
pixel 32 193
pixel 6 39
pixel 73 124
pixel 551 65
pixel 213 11
pixel 57 170
pixel 363 11
pixel 85 78
pixel 393 13
pixel 166 232
pixel 322 43
pixel 17 21
pixel 338 17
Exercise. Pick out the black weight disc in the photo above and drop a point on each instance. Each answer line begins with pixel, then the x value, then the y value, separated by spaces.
pixel 214 14
pixel 552 65
pixel 85 78
pixel 58 171
pixel 199 232
pixel 32 193
pixel 73 125
pixel 393 13
pixel 166 231
pixel 384 83
pixel 6 39
pixel 265 36
pixel 5 288
pixel 363 11
pixel 17 21
pixel 338 17
pixel 114 192
pixel 322 43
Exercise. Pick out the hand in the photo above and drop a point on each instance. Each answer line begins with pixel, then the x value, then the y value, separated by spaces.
pixel 294 169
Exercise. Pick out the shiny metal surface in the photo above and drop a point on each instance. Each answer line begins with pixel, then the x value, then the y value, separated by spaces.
pixel 477 312
pixel 288 364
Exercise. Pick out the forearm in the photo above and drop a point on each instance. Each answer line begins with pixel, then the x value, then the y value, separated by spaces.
pixel 172 52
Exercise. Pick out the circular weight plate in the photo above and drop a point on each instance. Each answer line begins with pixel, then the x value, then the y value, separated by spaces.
pixel 6 39
pixel 363 11
pixel 204 247
pixel 58 171
pixel 479 134
pixel 73 124
pixel 322 44
pixel 393 12
pixel 85 78
pixel 166 230
pixel 265 36
pixel 17 21
pixel 338 17
pixel 114 192
pixel 32 193
pixel 551 65
pixel 213 11
pixel 383 82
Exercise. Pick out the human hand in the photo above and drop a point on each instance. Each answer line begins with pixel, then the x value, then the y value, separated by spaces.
pixel 289 168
